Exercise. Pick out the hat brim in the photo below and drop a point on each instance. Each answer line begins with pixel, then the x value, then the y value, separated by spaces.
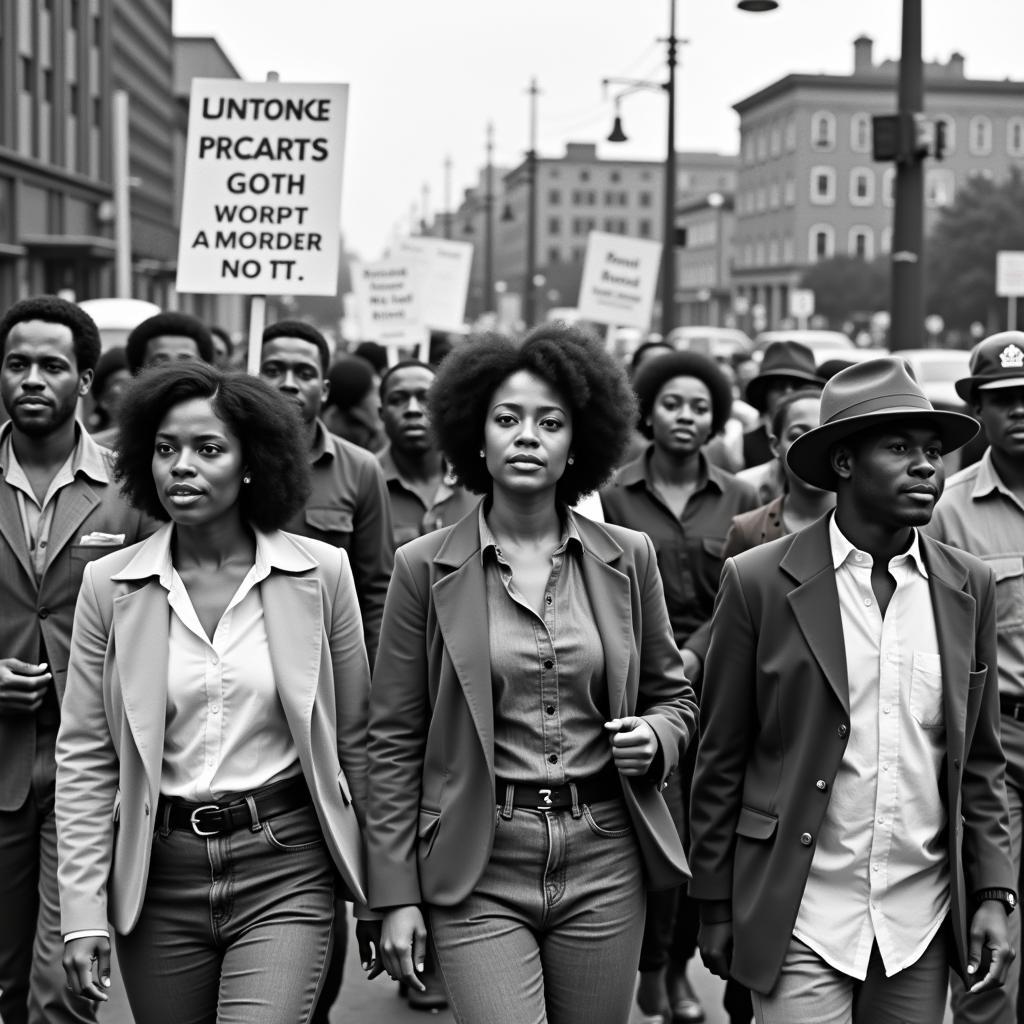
pixel 808 456
pixel 966 386
pixel 758 385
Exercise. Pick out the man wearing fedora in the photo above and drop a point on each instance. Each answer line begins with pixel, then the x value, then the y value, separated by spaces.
pixel 849 828
pixel 787 366
pixel 982 511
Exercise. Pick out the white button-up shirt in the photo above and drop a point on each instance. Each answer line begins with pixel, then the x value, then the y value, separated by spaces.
pixel 225 730
pixel 880 871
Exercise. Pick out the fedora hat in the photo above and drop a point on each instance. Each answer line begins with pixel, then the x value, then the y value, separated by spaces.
pixel 862 396
pixel 783 360
pixel 996 362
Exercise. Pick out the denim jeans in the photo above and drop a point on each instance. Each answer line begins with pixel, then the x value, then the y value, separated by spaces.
pixel 551 933
pixel 235 928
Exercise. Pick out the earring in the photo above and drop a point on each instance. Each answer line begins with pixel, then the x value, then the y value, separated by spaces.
pixel 247 479
pixel 483 454
pixel 572 459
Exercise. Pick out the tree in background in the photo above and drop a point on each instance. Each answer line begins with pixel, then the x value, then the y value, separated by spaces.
pixel 847 288
pixel 961 279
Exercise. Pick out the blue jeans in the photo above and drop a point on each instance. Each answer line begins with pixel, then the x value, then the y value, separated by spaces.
pixel 551 934
pixel 235 928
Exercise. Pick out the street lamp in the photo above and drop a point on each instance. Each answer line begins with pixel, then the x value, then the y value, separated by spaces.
pixel 908 200
pixel 668 256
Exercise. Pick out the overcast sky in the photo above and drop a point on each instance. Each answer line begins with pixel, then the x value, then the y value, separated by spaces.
pixel 427 75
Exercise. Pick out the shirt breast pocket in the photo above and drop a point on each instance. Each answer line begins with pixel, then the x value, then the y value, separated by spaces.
pixel 1009 570
pixel 333 525
pixel 926 690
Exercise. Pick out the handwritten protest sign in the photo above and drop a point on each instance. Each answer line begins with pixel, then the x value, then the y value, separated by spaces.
pixel 442 281
pixel 262 196
pixel 619 279
pixel 388 301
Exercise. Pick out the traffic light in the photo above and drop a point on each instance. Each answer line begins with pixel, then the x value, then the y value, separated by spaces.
pixel 924 136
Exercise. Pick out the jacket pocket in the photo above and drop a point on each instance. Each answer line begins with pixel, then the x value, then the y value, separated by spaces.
pixel 756 824
pixel 330 523
pixel 977 677
pixel 346 793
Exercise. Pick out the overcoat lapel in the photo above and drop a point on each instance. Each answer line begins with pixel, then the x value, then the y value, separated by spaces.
pixel 74 503
pixel 11 528
pixel 141 625
pixel 815 604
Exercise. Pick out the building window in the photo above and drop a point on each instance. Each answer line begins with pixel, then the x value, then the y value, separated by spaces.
pixel 821 243
pixel 762 144
pixel 860 133
pixel 823 186
pixel 823 130
pixel 644 199
pixel 791 133
pixel 775 141
pixel 1015 136
pixel 554 226
pixel 950 124
pixel 762 200
pixel 862 243
pixel 862 186
pixel 644 228
pixel 759 254
pixel 554 197
pixel 554 254
pixel 888 186
pixel 748 148
pixel 980 135
pixel 939 187
pixel 773 196
pixel 584 175
pixel 578 253
pixel 748 255
pixel 614 177
pixel 789 192
pixel 773 252
pixel 788 255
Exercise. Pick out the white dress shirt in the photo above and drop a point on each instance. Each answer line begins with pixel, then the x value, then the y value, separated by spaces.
pixel 225 730
pixel 880 871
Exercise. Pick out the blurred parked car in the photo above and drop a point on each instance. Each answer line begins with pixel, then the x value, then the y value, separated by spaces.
pixel 724 344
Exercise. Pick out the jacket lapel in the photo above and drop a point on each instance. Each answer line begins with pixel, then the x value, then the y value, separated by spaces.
pixel 141 625
pixel 815 604
pixel 11 528
pixel 74 503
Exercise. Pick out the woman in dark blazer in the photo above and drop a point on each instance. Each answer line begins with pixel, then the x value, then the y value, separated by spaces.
pixel 211 759
pixel 528 704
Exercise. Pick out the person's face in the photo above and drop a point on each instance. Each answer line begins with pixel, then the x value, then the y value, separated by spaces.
pixel 113 392
pixel 170 348
pixel 292 365
pixel 895 473
pixel 1001 411
pixel 776 392
pixel 681 416
pixel 404 409
pixel 40 382
pixel 197 464
pixel 801 415
pixel 527 434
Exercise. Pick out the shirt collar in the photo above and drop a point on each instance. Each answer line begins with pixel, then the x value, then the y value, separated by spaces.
pixel 489 543
pixel 87 457
pixel 637 473
pixel 987 479
pixel 321 449
pixel 843 549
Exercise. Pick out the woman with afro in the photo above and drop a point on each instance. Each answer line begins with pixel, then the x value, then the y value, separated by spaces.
pixel 527 704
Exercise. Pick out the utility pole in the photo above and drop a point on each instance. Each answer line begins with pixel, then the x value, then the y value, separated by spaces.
pixel 448 197
pixel 529 295
pixel 668 255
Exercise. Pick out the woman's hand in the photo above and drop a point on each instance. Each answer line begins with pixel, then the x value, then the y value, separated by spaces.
pixel 634 744
pixel 403 943
pixel 87 966
pixel 368 940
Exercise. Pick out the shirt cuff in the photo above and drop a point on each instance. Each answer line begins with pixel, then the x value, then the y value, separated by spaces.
pixel 87 935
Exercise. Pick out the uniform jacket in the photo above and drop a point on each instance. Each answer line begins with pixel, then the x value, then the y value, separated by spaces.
pixel 775 722
pixel 110 744
pixel 758 526
pixel 431 811
pixel 88 507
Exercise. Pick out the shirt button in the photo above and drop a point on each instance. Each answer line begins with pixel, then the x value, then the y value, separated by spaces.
pixel 214 709
pixel 549 663
pixel 885 767
pixel 822 785
pixel 886 709
pixel 210 763
pixel 44 613
pixel 874 867
pixel 553 758
pixel 881 821
pixel 867 602
pixel 42 543
pixel 548 599
pixel 842 731
pixel 805 839
pixel 550 709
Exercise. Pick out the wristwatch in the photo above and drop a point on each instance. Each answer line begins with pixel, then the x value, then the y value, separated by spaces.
pixel 1007 897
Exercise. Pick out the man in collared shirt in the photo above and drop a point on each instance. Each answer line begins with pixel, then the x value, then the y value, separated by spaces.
pixel 424 497
pixel 348 507
pixel 59 509
pixel 849 821
pixel 982 511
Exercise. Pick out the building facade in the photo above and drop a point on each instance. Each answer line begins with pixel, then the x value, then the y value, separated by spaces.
pixel 704 250
pixel 808 188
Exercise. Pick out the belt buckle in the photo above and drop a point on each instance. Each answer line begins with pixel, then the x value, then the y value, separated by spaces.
pixel 195 824
pixel 546 793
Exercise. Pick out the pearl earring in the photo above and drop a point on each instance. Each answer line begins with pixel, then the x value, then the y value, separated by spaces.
pixel 247 479
pixel 483 454
pixel 572 459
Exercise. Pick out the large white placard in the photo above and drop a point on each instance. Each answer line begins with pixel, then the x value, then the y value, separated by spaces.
pixel 619 278
pixel 1009 274
pixel 387 298
pixel 443 281
pixel 261 209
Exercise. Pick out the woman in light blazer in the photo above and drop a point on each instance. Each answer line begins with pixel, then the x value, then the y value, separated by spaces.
pixel 528 704
pixel 211 764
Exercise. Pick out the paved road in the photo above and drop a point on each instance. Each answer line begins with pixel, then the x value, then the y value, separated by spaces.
pixel 377 1002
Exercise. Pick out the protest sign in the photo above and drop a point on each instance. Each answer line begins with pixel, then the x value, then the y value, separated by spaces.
pixel 619 278
pixel 262 194
pixel 443 279
pixel 387 298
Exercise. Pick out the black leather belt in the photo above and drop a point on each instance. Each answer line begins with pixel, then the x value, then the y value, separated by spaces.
pixel 603 785
pixel 238 811
pixel 1012 708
